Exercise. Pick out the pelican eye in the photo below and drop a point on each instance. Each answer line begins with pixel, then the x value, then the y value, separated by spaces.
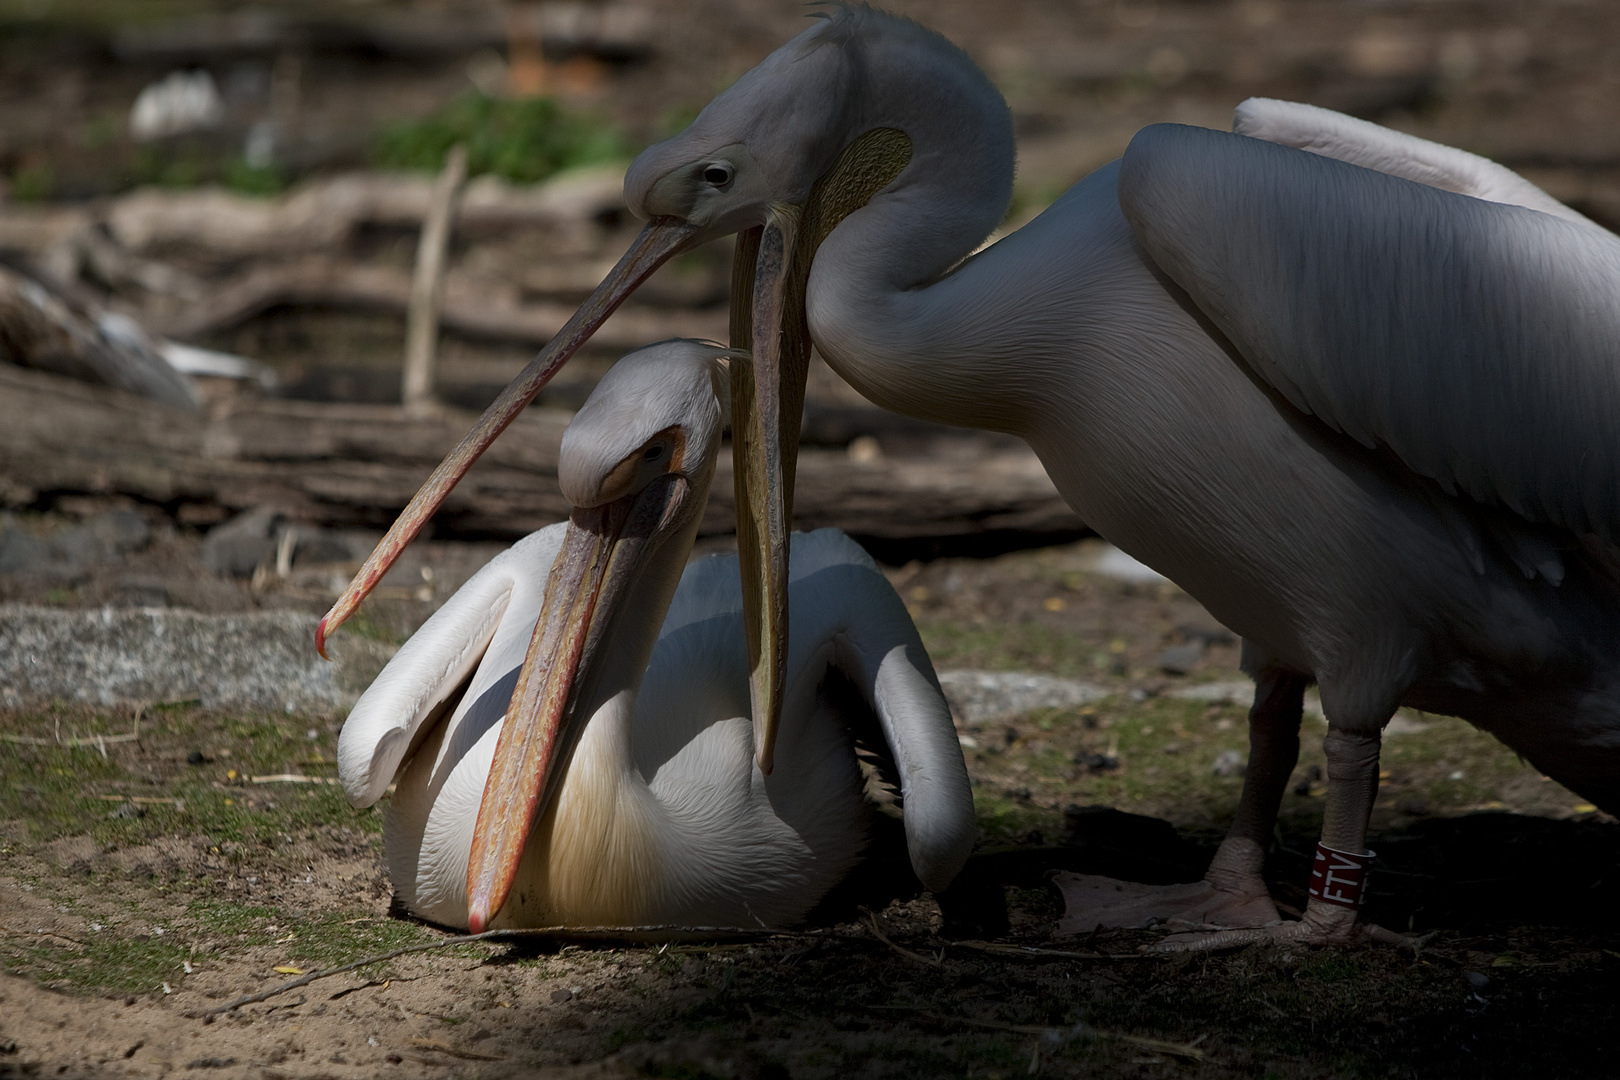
pixel 653 453
pixel 717 173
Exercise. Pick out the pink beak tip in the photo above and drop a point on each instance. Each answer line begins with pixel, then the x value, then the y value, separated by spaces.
pixel 320 638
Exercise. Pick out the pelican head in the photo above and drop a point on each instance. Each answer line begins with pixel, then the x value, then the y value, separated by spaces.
pixel 805 139
pixel 636 463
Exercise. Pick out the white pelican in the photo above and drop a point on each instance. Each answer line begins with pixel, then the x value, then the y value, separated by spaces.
pixel 659 814
pixel 1352 390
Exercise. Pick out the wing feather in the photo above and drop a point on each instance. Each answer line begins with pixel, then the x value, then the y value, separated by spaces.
pixel 486 625
pixel 1478 341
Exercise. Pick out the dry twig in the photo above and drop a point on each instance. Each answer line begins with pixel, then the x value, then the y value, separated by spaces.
pixel 293 778
pixel 1030 952
pixel 915 957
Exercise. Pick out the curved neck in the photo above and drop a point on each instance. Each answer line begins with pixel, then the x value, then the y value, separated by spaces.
pixel 975 347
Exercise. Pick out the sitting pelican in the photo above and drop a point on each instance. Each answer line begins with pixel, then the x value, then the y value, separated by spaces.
pixel 631 750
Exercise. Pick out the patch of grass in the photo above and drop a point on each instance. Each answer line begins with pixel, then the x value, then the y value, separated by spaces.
pixel 523 140
pixel 58 790
pixel 104 963
pixel 342 937
pixel 261 180
pixel 33 182
pixel 1017 646
pixel 1002 820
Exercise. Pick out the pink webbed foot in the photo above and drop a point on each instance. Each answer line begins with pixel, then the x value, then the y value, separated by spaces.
pixel 1323 924
pixel 1091 901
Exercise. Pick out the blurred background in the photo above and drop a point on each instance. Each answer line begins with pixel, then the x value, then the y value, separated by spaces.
pixel 244 189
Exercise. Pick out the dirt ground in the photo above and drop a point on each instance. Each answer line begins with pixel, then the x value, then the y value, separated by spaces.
pixel 144 886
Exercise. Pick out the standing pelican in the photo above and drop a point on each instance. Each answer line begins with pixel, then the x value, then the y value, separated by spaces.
pixel 637 770
pixel 1354 391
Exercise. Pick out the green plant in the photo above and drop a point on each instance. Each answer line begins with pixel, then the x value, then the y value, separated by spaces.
pixel 254 179
pixel 521 140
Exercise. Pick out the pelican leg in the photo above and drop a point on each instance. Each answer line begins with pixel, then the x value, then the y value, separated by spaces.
pixel 1332 918
pixel 1233 892
pixel 1279 704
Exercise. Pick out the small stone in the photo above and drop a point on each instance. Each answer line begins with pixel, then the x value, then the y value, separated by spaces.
pixel 1096 763
pixel 559 996
pixel 21 553
pixel 242 544
pixel 196 758
pixel 1230 763
pixel 1477 979
pixel 1180 659
pixel 393 1059
pixel 128 811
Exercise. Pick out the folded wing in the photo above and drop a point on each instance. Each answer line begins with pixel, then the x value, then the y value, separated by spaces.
pixel 1476 340
pixel 485 626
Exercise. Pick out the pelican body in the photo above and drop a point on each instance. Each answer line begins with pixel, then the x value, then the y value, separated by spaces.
pixel 1352 390
pixel 659 814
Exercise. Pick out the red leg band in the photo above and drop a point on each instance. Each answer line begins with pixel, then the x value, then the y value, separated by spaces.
pixel 1339 877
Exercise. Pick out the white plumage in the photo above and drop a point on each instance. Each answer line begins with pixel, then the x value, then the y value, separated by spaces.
pixel 662 816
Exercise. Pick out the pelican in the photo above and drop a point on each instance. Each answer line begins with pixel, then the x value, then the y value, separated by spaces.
pixel 638 771
pixel 1352 390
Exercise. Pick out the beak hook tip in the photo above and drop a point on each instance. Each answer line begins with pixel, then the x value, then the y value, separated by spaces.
pixel 320 638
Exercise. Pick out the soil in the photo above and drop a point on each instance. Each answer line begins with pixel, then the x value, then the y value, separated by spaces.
pixel 141 889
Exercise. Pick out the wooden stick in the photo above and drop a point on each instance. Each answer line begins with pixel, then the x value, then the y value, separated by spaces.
pixel 293 778
pixel 1030 952
pixel 427 288
pixel 914 957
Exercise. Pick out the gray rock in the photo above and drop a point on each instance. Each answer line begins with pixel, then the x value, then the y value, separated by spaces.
pixel 1225 693
pixel 262 660
pixel 317 546
pixel 1230 763
pixel 242 544
pixel 1180 659
pixel 106 536
pixel 21 553
pixel 980 696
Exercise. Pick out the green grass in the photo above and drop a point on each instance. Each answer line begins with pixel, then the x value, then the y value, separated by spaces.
pixel 524 140
pixel 1017 646
pixel 105 963
pixel 60 790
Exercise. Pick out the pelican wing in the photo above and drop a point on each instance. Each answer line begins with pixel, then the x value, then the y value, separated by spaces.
pixel 486 625
pixel 876 646
pixel 1373 146
pixel 1477 341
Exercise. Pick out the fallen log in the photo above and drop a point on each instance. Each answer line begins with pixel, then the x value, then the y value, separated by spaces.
pixel 45 330
pixel 323 213
pixel 358 465
pixel 470 307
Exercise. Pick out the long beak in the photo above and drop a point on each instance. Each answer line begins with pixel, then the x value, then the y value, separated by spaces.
pixel 602 553
pixel 661 239
pixel 767 409
pixel 769 277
